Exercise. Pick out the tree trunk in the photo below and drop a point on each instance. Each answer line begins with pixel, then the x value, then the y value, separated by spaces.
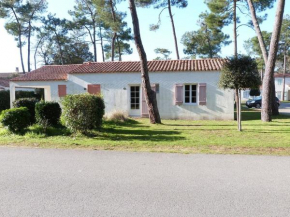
pixel 209 43
pixel 270 66
pixel 240 111
pixel 21 54
pixel 284 72
pixel 238 102
pixel 28 47
pixel 119 49
pixel 115 34
pixel 258 31
pixel 59 48
pixel 150 95
pixel 274 108
pixel 274 105
pixel 94 42
pixel 237 106
pixel 173 29
pixel 102 44
pixel 113 47
pixel 235 29
pixel 19 39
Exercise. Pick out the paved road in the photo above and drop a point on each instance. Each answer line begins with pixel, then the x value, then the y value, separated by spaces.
pixel 39 182
pixel 284 108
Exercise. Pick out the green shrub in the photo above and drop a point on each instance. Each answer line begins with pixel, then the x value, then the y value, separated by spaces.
pixel 28 103
pixel 47 113
pixel 5 100
pixel 83 112
pixel 16 119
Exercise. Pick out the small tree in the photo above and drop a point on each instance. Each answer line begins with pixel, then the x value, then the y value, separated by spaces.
pixel 238 73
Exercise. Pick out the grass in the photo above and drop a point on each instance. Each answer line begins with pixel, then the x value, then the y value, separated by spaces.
pixel 178 136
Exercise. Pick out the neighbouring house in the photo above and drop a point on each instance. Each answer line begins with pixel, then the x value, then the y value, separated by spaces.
pixel 185 89
pixel 279 77
pixel 279 86
pixel 4 84
pixel 4 81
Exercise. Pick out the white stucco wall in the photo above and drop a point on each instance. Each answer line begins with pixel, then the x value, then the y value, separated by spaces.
pixel 115 88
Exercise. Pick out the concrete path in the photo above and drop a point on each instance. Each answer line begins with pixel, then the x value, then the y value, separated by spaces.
pixel 40 182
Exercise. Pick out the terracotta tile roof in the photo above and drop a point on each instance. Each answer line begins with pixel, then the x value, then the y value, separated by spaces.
pixel 57 72
pixel 154 66
pixel 48 73
pixel 4 82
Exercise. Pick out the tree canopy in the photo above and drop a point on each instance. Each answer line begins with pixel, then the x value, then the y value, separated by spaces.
pixel 240 73
pixel 206 41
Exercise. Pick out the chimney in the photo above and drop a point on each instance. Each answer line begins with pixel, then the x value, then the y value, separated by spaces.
pixel 17 70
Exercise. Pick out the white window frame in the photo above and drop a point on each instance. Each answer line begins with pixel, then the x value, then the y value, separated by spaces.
pixel 279 81
pixel 190 94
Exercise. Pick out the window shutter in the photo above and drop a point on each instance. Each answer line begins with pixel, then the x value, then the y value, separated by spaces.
pixel 94 88
pixel 61 90
pixel 202 94
pixel 178 94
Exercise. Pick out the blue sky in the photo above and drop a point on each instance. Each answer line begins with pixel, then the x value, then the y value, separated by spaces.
pixel 185 20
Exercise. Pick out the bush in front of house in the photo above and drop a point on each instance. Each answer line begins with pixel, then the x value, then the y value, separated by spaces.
pixel 5 100
pixel 28 103
pixel 47 113
pixel 83 112
pixel 16 119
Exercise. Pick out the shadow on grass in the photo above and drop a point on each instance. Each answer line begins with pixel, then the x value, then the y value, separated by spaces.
pixel 139 135
pixel 128 123
pixel 50 131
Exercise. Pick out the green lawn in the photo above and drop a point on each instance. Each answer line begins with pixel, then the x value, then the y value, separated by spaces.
pixel 181 136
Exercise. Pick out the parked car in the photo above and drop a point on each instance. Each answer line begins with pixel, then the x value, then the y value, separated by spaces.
pixel 257 102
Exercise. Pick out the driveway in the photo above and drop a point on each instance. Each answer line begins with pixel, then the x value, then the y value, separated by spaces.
pixel 284 108
pixel 39 182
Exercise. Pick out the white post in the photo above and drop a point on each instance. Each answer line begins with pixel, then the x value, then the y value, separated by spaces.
pixel 12 94
pixel 47 94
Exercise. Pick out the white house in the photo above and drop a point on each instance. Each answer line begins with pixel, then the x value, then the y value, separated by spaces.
pixel 279 86
pixel 185 89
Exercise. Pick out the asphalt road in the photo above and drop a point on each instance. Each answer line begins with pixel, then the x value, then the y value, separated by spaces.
pixel 284 108
pixel 40 182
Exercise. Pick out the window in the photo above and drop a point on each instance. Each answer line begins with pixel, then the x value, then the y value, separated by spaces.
pixel 135 97
pixel 190 93
pixel 279 81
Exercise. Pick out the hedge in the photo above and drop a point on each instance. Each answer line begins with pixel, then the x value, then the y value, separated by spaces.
pixel 28 103
pixel 47 113
pixel 5 100
pixel 16 119
pixel 83 112
pixel 5 97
